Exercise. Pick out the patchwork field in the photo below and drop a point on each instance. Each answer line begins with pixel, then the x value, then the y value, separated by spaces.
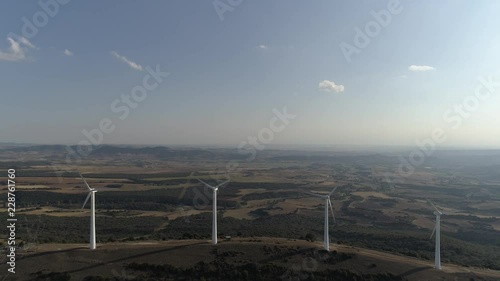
pixel 154 203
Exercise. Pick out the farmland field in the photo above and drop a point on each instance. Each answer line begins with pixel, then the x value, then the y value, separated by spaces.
pixel 167 205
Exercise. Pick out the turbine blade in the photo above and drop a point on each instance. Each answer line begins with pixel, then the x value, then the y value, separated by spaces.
pixel 437 210
pixel 206 184
pixel 86 200
pixel 314 194
pixel 220 185
pixel 331 209
pixel 88 186
pixel 432 234
pixel 333 190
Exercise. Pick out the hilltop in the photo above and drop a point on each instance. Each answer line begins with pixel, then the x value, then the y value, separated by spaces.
pixel 238 259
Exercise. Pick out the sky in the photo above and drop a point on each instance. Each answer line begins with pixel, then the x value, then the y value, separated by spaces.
pixel 275 72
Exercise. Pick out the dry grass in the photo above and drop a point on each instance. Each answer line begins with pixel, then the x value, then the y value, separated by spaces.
pixel 109 259
pixel 367 194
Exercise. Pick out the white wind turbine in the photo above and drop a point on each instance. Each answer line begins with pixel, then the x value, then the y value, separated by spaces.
pixel 92 191
pixel 437 230
pixel 328 204
pixel 214 210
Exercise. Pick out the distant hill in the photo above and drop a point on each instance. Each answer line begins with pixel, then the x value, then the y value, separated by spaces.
pixel 160 152
pixel 56 148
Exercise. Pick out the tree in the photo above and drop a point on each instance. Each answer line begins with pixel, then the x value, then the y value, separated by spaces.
pixel 310 237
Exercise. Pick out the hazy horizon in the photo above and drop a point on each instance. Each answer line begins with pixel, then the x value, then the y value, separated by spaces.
pixel 278 146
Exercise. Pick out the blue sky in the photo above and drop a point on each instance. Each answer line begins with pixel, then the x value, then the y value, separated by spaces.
pixel 227 76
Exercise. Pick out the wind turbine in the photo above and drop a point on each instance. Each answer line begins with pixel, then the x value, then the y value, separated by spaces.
pixel 214 210
pixel 328 203
pixel 437 230
pixel 91 195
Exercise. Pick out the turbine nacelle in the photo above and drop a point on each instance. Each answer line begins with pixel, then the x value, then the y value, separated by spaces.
pixel 214 188
pixel 88 186
pixel 437 212
pixel 324 196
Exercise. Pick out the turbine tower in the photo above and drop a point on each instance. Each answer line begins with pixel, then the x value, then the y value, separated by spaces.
pixel 328 204
pixel 91 195
pixel 214 210
pixel 437 230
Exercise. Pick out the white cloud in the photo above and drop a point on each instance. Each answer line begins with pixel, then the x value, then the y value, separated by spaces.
pixel 421 68
pixel 68 53
pixel 127 61
pixel 17 50
pixel 330 86
pixel 263 47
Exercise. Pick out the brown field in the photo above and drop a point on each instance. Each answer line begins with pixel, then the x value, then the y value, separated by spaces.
pixel 367 194
pixel 57 212
pixel 243 212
